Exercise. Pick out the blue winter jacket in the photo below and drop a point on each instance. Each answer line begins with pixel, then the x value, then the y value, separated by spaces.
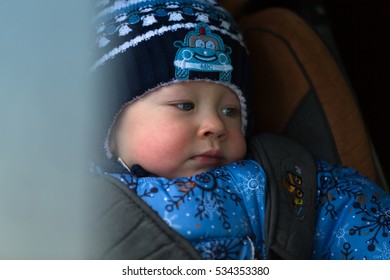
pixel 222 211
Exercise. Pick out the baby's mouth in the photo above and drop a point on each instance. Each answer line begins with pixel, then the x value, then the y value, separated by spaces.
pixel 211 157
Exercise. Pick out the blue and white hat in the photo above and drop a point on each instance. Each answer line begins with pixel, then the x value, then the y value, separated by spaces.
pixel 145 44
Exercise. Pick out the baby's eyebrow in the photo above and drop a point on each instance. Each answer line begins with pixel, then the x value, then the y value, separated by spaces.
pixel 179 92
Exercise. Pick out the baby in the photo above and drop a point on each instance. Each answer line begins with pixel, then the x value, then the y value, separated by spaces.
pixel 180 131
pixel 177 120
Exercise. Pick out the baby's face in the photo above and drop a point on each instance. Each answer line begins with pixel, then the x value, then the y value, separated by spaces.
pixel 182 129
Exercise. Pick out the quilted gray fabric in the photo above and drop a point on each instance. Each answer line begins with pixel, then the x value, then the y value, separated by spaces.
pixel 122 226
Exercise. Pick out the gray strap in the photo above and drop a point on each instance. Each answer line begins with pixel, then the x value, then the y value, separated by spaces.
pixel 291 196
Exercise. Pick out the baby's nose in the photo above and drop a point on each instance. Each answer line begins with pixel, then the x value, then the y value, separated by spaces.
pixel 213 127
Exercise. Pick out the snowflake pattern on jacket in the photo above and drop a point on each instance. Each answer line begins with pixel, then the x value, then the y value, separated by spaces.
pixel 221 211
pixel 353 216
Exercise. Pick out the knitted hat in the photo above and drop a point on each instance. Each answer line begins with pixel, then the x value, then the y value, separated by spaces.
pixel 146 44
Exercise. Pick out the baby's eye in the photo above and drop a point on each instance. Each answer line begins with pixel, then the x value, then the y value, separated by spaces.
pixel 230 111
pixel 185 106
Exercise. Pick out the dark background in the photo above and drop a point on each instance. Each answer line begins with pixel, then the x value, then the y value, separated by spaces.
pixel 357 32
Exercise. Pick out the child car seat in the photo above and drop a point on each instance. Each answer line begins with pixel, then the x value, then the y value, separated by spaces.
pixel 300 93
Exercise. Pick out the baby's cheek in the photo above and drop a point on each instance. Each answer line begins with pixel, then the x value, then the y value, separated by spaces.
pixel 238 144
pixel 171 149
pixel 160 151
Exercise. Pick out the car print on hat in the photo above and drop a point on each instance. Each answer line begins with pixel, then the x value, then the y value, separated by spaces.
pixel 202 51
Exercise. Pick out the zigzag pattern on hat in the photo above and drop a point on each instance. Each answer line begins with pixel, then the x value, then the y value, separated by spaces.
pixel 119 20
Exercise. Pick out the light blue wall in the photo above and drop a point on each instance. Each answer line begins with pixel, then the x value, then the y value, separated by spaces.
pixel 43 111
